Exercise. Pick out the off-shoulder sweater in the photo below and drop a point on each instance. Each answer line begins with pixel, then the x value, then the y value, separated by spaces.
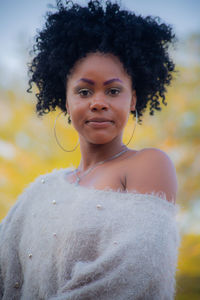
pixel 61 241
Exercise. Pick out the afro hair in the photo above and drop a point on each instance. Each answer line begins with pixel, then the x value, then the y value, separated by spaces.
pixel 73 31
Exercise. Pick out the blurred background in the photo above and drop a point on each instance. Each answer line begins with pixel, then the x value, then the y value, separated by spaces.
pixel 27 144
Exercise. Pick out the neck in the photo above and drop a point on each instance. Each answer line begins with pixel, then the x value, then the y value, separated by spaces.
pixel 94 153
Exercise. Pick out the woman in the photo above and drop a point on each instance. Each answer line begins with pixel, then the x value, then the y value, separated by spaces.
pixel 107 229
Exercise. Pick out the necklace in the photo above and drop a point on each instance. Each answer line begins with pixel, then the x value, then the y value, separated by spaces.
pixel 78 178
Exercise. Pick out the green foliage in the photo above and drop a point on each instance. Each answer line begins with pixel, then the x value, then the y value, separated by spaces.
pixel 188 274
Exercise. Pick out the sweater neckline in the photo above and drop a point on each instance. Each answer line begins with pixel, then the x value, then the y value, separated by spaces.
pixel 118 193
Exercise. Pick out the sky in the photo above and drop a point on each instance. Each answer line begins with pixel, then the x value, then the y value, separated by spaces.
pixel 19 20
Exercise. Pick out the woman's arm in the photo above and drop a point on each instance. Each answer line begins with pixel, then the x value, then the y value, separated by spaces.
pixel 154 173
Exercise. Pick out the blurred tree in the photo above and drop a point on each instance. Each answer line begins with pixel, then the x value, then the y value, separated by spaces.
pixel 28 149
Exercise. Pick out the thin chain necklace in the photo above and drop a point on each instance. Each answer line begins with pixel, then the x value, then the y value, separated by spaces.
pixel 78 178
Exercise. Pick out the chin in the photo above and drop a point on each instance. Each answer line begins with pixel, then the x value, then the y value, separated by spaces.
pixel 100 140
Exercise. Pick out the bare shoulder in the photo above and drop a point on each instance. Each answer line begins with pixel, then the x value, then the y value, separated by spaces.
pixel 152 170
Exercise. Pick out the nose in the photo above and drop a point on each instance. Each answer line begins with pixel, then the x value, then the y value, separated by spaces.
pixel 98 104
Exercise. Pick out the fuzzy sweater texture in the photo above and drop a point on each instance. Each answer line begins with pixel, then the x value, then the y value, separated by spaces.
pixel 61 241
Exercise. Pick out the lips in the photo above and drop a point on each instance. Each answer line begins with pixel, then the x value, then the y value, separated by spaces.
pixel 99 122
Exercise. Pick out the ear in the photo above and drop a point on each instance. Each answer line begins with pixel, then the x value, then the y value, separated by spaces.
pixel 133 101
pixel 67 106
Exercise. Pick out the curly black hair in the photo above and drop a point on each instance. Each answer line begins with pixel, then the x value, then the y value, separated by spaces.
pixel 73 31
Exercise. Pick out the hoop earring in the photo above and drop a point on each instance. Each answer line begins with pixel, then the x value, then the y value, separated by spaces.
pixel 57 138
pixel 134 127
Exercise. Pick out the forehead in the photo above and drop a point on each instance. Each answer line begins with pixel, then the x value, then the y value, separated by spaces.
pixel 99 64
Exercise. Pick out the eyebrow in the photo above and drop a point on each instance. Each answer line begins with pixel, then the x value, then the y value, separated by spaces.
pixel 86 80
pixel 111 80
pixel 105 83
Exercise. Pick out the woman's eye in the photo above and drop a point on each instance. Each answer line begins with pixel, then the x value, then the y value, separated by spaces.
pixel 84 92
pixel 114 92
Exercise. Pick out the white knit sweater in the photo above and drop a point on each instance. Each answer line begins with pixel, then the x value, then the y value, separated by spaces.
pixel 65 242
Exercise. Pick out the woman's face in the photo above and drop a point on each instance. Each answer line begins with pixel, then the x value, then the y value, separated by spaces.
pixel 99 98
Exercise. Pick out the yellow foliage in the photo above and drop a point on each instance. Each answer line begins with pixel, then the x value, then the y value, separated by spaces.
pixel 32 151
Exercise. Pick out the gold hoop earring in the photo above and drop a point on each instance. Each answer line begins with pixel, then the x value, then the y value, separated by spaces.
pixel 57 138
pixel 134 127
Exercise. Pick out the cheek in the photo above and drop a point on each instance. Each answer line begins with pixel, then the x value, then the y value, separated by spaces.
pixel 122 115
pixel 125 118
pixel 78 113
